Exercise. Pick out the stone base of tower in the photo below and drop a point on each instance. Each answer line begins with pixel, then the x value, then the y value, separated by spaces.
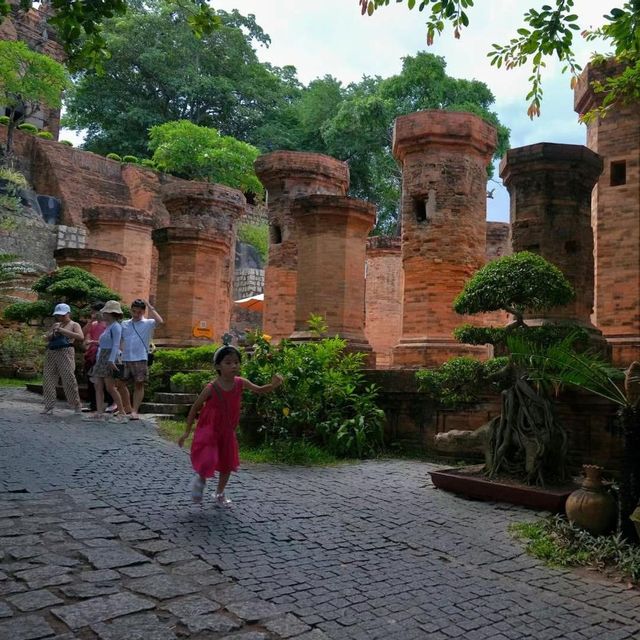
pixel 624 350
pixel 423 352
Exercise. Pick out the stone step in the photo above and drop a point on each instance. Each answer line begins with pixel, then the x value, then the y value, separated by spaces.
pixel 175 398
pixel 174 409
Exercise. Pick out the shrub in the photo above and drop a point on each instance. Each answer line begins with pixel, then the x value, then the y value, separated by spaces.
pixel 11 175
pixel 192 382
pixel 188 359
pixel 67 143
pixel 324 399
pixel 257 236
pixel 113 156
pixel 21 348
pixel 5 120
pixel 132 159
pixel 146 162
pixel 47 135
pixel 28 127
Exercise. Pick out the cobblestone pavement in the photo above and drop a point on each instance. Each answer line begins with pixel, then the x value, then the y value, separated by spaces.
pixel 355 551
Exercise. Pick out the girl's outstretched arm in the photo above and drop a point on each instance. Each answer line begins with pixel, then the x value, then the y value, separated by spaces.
pixel 276 381
pixel 193 412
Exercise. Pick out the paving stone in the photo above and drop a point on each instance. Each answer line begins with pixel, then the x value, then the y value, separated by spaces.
pixel 57 559
pixel 192 568
pixel 5 610
pixel 113 557
pixel 316 634
pixel 30 627
pixel 215 622
pixel 287 626
pixel 143 626
pixel 254 610
pixel 23 552
pixel 211 578
pixel 190 606
pixel 11 586
pixel 19 540
pixel 141 570
pixel 173 555
pixel 247 635
pixel 99 575
pixel 141 534
pixel 84 590
pixel 163 586
pixel 45 576
pixel 100 609
pixel 154 546
pixel 34 600
pixel 227 593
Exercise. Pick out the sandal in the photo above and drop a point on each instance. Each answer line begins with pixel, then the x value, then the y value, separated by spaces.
pixel 197 489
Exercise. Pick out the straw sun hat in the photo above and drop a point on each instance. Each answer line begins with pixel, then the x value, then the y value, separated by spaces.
pixel 112 306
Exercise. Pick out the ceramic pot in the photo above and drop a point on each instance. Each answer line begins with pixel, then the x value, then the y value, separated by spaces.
pixel 592 507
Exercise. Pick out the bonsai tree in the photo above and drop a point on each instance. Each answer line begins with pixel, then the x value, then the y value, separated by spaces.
pixel 524 440
pixel 559 364
pixel 28 81
pixel 75 286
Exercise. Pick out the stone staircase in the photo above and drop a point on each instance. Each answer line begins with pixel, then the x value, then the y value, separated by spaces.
pixel 169 405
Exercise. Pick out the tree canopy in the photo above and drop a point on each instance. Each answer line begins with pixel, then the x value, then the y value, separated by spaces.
pixel 28 80
pixel 78 23
pixel 546 33
pixel 158 71
pixel 201 153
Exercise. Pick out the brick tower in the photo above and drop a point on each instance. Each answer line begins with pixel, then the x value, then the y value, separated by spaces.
pixel 287 175
pixel 550 191
pixel 444 157
pixel 331 233
pixel 615 217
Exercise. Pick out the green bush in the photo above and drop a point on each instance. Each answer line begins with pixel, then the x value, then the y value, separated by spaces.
pixel 11 175
pixel 257 236
pixel 132 159
pixel 28 127
pixel 5 120
pixel 21 348
pixel 146 162
pixel 114 156
pixel 47 135
pixel 192 382
pixel 324 399
pixel 188 359
pixel 66 143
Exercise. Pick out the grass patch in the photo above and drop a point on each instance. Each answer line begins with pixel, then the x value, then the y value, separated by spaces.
pixel 16 382
pixel 293 453
pixel 558 543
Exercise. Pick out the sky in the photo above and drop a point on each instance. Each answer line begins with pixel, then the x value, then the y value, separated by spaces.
pixel 321 37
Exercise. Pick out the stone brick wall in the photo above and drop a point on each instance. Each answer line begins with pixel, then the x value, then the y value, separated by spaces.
pixel 70 237
pixel 248 282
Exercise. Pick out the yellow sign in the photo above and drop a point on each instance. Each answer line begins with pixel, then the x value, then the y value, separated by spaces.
pixel 202 332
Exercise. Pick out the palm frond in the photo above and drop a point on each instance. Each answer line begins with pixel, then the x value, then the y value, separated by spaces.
pixel 559 365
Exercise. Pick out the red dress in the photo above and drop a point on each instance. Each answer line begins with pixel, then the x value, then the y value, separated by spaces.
pixel 215 446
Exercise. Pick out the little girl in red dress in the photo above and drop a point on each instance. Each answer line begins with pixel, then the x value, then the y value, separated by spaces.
pixel 215 446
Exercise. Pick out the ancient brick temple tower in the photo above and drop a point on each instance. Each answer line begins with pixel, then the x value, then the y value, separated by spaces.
pixel 287 175
pixel 331 233
pixel 550 191
pixel 444 156
pixel 615 218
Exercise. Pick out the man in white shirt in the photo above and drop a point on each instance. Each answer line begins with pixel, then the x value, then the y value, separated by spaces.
pixel 136 337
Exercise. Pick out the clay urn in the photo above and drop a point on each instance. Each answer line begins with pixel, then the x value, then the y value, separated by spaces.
pixel 592 507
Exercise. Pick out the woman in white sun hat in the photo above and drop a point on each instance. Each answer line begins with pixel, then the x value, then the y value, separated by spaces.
pixel 105 369
pixel 59 359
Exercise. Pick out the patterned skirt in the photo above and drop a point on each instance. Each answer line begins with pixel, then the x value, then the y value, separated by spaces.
pixel 102 368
